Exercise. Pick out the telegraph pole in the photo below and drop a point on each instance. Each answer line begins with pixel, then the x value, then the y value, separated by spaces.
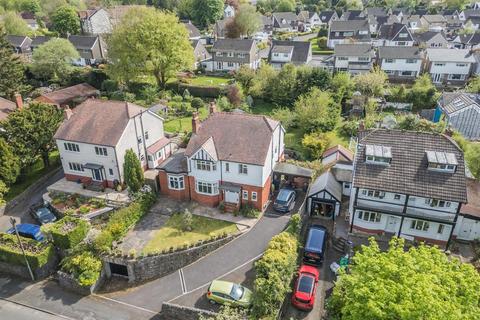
pixel 14 224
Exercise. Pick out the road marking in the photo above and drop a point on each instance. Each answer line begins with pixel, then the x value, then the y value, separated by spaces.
pixel 223 275
pixel 125 304
pixel 182 281
pixel 37 309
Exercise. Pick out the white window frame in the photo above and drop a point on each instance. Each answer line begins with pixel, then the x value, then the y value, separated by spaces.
pixel 72 147
pixel 245 195
pixel 242 168
pixel 76 167
pixel 110 172
pixel 254 196
pixel 369 216
pixel 201 185
pixel 203 165
pixel 101 151
pixel 176 182
pixel 419 225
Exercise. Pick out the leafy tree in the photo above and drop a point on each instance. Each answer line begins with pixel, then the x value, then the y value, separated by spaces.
pixel 132 171
pixel 3 191
pixel 372 83
pixel 185 9
pixel 316 111
pixel 197 103
pixel 285 116
pixel 32 6
pixel 206 12
pixel 423 93
pixel 247 20
pixel 259 85
pixel 161 47
pixel 223 104
pixel 419 283
pixel 12 75
pixel 308 77
pixel 472 156
pixel 414 123
pixel 14 24
pixel 282 87
pixel 65 21
pixel 187 220
pixel 53 60
pixel 474 85
pixel 456 4
pixel 245 76
pixel 232 30
pixel 235 95
pixel 467 28
pixel 9 163
pixel 316 143
pixel 286 5
pixel 322 42
pixel 342 86
pixel 228 313
pixel 30 132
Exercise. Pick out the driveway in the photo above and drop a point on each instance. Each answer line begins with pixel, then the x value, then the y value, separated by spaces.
pixel 306 37
pixel 189 281
pixel 20 210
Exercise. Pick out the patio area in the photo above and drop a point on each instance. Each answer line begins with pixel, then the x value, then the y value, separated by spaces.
pixel 71 187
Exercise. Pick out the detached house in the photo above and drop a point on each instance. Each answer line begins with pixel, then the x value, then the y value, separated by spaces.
pixel 396 34
pixel 285 21
pixel 89 48
pixel 467 41
pixel 461 111
pixel 431 39
pixel 407 184
pixel 354 58
pixel 94 138
pixel 231 54
pixel 327 16
pixel 400 63
pixel 449 66
pixel 20 45
pixel 309 19
pixel 229 159
pixel 351 31
pixel 296 52
pixel 95 21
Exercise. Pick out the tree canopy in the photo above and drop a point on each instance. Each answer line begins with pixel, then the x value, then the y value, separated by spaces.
pixel 65 21
pixel 161 43
pixel 316 111
pixel 9 163
pixel 371 83
pixel 248 20
pixel 132 171
pixel 420 283
pixel 206 12
pixel 14 24
pixel 12 73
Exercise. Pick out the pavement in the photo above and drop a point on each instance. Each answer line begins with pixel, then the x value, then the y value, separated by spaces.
pixel 10 310
pixel 20 210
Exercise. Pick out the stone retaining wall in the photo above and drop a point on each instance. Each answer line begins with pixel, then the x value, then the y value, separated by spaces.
pixel 67 282
pixel 172 311
pixel 22 271
pixel 147 268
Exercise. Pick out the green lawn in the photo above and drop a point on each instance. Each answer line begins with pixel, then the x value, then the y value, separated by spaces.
pixel 319 51
pixel 36 171
pixel 183 124
pixel 171 234
pixel 262 107
pixel 208 81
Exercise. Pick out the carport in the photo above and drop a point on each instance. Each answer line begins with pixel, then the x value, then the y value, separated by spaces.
pixel 324 197
pixel 287 174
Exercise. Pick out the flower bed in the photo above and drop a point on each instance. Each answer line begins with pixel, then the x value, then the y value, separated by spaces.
pixel 70 204
pixel 68 232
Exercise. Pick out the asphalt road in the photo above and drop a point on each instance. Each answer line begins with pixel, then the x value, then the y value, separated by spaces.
pixel 195 277
pixel 9 310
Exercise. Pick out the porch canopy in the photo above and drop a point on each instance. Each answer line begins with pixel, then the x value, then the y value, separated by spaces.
pixel 228 186
pixel 93 166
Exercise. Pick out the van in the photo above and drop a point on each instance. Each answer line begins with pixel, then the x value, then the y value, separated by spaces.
pixel 315 245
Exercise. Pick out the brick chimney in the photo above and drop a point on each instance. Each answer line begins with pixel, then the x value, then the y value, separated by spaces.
pixel 212 108
pixel 67 113
pixel 18 101
pixel 195 122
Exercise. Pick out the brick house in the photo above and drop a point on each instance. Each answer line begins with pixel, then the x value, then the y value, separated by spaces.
pixel 94 138
pixel 230 159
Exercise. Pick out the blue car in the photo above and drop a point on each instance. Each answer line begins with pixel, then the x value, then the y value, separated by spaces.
pixel 43 214
pixel 285 200
pixel 28 230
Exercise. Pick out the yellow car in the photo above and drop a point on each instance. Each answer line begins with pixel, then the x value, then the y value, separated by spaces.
pixel 224 292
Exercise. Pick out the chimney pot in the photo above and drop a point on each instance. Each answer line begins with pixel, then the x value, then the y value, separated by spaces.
pixel 195 122
pixel 67 113
pixel 18 101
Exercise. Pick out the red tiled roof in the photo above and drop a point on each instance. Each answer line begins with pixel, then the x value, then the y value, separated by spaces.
pixel 473 197
pixel 68 94
pixel 237 137
pixel 6 106
pixel 342 151
pixel 158 145
pixel 98 122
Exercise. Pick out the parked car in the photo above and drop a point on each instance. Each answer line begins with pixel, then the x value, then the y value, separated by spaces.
pixel 285 200
pixel 303 296
pixel 28 230
pixel 225 292
pixel 43 213
pixel 315 245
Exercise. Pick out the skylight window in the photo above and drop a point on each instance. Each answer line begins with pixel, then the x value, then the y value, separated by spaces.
pixel 441 161
pixel 378 154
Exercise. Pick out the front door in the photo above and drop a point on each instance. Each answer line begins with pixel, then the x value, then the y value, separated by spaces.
pixel 97 174
pixel 392 223
pixel 465 231
pixel 232 196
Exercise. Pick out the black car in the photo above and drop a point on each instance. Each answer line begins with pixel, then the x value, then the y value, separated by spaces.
pixel 285 200
pixel 315 245
pixel 43 213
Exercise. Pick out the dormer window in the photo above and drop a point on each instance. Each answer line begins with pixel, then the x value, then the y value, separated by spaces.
pixel 376 154
pixel 403 35
pixel 441 161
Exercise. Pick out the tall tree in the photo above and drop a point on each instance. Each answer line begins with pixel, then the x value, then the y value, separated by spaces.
pixel 53 59
pixel 14 24
pixel 316 111
pixel 423 93
pixel 206 12
pixel 65 21
pixel 372 83
pixel 3 191
pixel 414 284
pixel 9 163
pixel 474 85
pixel 32 6
pixel 247 20
pixel 12 73
pixel 160 42
pixel 30 132
pixel 132 171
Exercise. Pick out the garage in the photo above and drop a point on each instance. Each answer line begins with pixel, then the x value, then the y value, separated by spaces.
pixel 324 197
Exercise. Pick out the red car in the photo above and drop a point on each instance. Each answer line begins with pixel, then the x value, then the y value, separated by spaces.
pixel 303 296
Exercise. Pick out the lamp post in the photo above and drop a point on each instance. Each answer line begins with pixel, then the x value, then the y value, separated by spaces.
pixel 14 225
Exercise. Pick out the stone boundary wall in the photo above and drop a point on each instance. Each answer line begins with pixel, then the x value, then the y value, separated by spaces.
pixel 172 311
pixel 67 282
pixel 147 268
pixel 22 271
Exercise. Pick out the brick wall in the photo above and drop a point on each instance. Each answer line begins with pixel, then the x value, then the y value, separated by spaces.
pixel 263 194
pixel 83 179
pixel 207 200
pixel 175 194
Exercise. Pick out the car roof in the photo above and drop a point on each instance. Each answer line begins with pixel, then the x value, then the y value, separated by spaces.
pixel 28 228
pixel 221 286
pixel 284 193
pixel 316 237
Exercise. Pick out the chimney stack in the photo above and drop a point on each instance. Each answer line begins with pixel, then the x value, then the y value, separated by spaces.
pixel 361 126
pixel 18 101
pixel 212 108
pixel 195 122
pixel 67 113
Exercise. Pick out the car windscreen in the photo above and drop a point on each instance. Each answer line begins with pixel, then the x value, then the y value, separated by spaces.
pixel 43 213
pixel 283 196
pixel 305 284
pixel 237 292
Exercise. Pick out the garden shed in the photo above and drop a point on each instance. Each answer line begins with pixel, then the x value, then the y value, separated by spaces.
pixel 324 197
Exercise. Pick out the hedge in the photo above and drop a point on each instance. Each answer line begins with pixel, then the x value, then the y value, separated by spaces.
pixel 84 267
pixel 121 221
pixel 38 253
pixel 67 239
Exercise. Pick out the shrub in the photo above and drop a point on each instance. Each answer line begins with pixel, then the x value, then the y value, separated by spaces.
pixel 187 220
pixel 274 273
pixel 295 225
pixel 322 42
pixel 68 232
pixel 315 143
pixel 249 211
pixel 84 209
pixel 84 267
pixel 38 253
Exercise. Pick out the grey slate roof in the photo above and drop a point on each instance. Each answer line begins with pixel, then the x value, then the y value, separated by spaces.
pixel 450 55
pixel 471 39
pixel 301 49
pixel 399 53
pixel 193 31
pixel 82 42
pixel 291 169
pixel 176 163
pixel 37 41
pixel 240 45
pixel 407 172
pixel 356 50
pixel 18 41
pixel 349 25
pixel 326 15
pixel 390 31
pixel 326 181
pixel 427 35
pixel 451 102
